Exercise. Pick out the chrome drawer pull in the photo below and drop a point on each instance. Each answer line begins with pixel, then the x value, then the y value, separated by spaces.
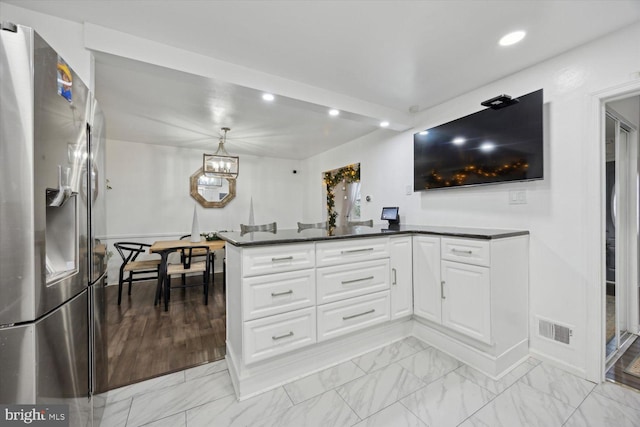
pixel 290 334
pixel 458 251
pixel 352 251
pixel 395 276
pixel 358 315
pixel 442 290
pixel 285 258
pixel 346 282
pixel 277 294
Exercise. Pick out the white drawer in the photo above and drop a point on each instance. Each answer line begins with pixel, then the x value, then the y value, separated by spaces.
pixel 351 250
pixel 278 293
pixel 469 251
pixel 273 335
pixel 346 316
pixel 277 258
pixel 345 281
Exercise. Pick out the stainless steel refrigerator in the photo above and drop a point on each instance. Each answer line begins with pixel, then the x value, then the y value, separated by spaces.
pixel 51 214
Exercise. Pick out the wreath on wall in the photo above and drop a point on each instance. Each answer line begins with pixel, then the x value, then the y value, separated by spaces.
pixel 347 174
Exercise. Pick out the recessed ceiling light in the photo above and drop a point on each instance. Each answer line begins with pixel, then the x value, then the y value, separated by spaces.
pixel 487 146
pixel 459 140
pixel 512 38
pixel 268 97
pixel 334 112
pixel 424 132
pixel 384 124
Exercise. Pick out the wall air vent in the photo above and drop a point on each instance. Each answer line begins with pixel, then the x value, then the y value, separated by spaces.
pixel 554 331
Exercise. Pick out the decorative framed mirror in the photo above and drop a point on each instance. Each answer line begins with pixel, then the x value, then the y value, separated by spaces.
pixel 212 192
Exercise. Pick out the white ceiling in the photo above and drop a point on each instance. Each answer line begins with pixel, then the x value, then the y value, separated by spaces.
pixel 158 105
pixel 393 54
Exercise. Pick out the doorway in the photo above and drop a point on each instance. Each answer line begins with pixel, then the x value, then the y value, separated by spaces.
pixel 621 239
pixel 341 190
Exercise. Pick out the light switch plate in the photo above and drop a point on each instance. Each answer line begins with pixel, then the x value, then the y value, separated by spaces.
pixel 518 197
pixel 409 190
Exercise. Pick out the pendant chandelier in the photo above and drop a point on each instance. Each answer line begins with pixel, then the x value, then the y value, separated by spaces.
pixel 221 164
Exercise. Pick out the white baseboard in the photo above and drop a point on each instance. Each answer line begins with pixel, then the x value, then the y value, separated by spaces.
pixel 580 372
pixel 249 381
pixel 494 366
pixel 259 377
pixel 231 359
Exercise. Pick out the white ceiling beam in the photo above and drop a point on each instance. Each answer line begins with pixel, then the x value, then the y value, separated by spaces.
pixel 106 40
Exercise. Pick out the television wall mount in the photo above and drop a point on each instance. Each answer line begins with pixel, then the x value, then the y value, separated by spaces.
pixel 500 101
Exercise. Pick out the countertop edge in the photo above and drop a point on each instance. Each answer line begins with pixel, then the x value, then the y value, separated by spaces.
pixel 470 235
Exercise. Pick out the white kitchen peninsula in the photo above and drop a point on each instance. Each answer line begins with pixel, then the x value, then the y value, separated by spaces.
pixel 301 301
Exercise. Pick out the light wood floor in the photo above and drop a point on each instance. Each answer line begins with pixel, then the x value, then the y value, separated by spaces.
pixel 144 341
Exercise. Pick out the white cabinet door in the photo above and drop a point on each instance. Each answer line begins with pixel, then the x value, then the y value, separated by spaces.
pixel 401 276
pixel 466 303
pixel 426 278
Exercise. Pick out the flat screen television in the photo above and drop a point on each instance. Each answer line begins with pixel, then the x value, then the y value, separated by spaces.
pixel 487 147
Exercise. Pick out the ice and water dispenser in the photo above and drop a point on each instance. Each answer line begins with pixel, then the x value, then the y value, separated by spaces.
pixel 62 229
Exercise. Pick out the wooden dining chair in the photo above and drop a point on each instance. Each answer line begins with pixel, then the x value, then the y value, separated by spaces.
pixel 147 269
pixel 271 227
pixel 224 265
pixel 187 265
pixel 199 254
pixel 368 223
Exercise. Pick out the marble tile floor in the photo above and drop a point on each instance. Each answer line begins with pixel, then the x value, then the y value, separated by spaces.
pixel 407 383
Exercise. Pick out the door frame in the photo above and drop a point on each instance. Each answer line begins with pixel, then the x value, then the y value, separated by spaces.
pixel 626 226
pixel 594 208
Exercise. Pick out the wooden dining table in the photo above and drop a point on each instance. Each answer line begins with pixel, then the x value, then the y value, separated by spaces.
pixel 165 247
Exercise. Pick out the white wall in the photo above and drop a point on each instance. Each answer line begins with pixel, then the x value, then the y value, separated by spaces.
pixel 150 199
pixel 629 108
pixel 555 213
pixel 64 36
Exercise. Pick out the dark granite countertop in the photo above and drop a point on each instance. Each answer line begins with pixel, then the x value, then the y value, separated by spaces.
pixel 314 234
